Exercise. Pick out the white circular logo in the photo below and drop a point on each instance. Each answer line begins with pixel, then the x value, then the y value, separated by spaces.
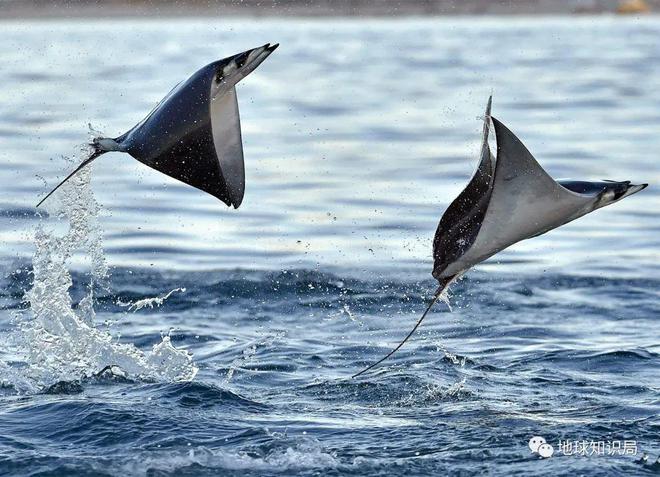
pixel 536 442
pixel 546 450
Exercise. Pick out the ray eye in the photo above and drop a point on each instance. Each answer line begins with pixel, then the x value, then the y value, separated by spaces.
pixel 241 61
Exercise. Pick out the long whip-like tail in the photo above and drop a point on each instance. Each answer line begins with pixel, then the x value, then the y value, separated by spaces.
pixel 97 152
pixel 443 286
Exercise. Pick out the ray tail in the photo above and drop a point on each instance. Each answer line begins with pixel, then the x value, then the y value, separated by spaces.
pixel 443 286
pixel 97 152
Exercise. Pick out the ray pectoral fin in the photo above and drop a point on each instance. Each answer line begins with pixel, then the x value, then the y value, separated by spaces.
pixel 525 200
pixel 462 220
pixel 514 159
pixel 518 167
pixel 226 126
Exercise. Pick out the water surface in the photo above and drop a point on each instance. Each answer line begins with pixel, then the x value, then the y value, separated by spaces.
pixel 357 135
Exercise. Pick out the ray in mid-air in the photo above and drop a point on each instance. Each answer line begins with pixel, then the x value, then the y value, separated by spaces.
pixel 194 133
pixel 510 198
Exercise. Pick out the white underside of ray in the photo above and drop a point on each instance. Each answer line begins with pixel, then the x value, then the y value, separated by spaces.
pixel 525 201
pixel 226 127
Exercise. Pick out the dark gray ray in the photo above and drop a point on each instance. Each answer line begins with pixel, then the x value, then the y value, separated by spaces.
pixel 194 133
pixel 524 201
pixel 510 198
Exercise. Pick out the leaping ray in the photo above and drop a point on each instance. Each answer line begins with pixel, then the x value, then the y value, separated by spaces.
pixel 194 133
pixel 510 198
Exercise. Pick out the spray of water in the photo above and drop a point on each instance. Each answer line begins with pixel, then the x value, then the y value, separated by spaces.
pixel 56 341
pixel 148 302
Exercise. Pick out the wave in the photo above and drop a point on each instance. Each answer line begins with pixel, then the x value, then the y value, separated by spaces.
pixel 287 455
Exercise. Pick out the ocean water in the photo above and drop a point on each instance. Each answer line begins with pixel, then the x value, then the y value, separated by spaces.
pixel 146 329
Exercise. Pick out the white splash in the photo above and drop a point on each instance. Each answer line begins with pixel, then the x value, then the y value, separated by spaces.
pixel 248 354
pixel 293 454
pixel 452 357
pixel 149 302
pixel 245 359
pixel 56 342
pixel 434 392
pixel 445 297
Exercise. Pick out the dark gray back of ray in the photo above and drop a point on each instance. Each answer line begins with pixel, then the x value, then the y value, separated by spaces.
pixel 177 138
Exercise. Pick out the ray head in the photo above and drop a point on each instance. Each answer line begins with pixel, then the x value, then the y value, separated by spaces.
pixel 229 71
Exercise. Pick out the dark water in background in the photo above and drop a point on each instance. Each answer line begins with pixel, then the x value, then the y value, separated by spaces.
pixel 357 135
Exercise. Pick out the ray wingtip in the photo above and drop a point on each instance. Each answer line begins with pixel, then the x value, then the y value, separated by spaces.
pixel 630 189
pixel 634 188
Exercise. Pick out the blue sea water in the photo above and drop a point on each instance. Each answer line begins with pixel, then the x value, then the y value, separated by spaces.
pixel 146 329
